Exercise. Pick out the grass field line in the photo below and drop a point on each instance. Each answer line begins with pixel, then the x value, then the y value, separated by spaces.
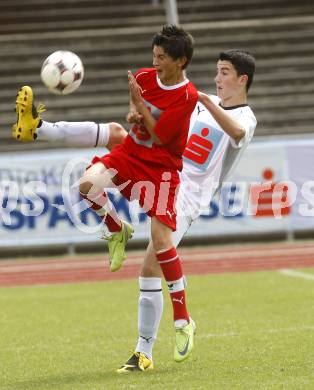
pixel 292 329
pixel 296 274
pixel 197 255
pixel 199 336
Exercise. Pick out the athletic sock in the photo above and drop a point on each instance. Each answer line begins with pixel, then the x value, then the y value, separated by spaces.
pixel 104 134
pixel 103 207
pixel 150 307
pixel 74 133
pixel 172 270
pixel 113 223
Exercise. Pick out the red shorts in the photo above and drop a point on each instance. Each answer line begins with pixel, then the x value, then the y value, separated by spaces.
pixel 153 185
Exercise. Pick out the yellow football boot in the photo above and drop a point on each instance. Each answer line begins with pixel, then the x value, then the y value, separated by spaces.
pixel 184 341
pixel 116 245
pixel 28 117
pixel 137 362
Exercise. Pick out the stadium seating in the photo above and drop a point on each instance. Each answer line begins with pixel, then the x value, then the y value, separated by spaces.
pixel 112 37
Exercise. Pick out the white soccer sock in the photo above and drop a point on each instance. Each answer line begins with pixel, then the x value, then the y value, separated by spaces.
pixel 89 134
pixel 150 308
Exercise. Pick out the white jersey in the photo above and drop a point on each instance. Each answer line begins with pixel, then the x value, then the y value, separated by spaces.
pixel 210 155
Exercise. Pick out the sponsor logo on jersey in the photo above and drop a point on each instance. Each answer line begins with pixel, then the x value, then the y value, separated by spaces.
pixel 202 144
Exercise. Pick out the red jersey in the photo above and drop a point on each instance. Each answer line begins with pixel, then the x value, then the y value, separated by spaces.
pixel 172 107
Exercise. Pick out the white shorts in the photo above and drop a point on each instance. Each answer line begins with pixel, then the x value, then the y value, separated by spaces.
pixel 189 205
pixel 183 224
pixel 187 211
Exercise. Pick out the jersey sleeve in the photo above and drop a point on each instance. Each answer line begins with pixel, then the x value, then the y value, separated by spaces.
pixel 174 120
pixel 140 75
pixel 249 123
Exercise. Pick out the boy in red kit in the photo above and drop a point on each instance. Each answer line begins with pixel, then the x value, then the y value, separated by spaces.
pixel 161 102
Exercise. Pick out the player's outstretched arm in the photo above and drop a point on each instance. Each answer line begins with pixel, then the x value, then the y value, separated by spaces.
pixel 147 118
pixel 228 124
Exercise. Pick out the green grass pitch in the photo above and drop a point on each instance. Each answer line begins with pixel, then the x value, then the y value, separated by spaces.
pixel 255 331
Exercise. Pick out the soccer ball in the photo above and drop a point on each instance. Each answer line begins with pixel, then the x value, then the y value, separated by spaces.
pixel 62 72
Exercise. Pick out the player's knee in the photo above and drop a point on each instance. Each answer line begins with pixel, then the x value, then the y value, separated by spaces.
pixel 151 270
pixel 86 184
pixel 94 180
pixel 161 236
pixel 117 134
pixel 85 187
pixel 147 271
pixel 160 242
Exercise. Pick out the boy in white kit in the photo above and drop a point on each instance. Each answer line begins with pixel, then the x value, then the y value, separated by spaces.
pixel 220 129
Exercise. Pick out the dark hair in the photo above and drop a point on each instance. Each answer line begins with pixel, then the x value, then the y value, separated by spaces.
pixel 176 42
pixel 243 62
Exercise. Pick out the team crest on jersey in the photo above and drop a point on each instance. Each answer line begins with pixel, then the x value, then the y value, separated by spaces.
pixel 139 133
pixel 201 146
pixel 156 112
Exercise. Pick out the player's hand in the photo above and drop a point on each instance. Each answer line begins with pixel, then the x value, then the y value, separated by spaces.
pixel 135 91
pixel 134 117
pixel 202 97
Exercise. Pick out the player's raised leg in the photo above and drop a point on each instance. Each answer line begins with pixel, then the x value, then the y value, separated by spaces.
pixel 85 134
pixel 94 180
pixel 30 126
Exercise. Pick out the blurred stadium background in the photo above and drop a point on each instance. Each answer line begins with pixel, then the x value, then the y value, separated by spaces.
pixel 111 37
pixel 255 330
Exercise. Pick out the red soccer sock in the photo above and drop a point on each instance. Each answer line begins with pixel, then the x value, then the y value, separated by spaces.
pixel 110 218
pixel 180 311
pixel 112 224
pixel 171 267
